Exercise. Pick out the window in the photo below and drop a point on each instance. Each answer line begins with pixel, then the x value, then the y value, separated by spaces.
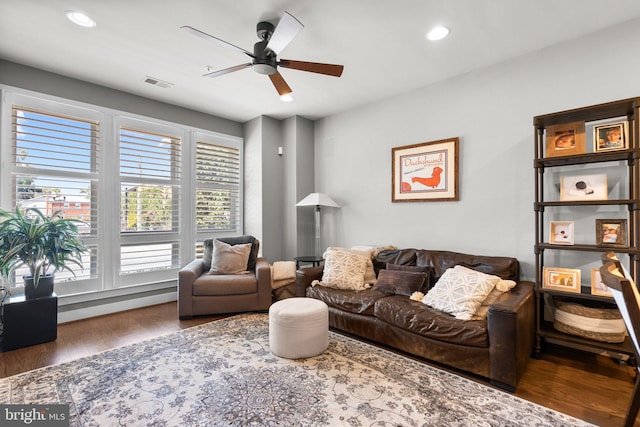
pixel 144 188
pixel 55 169
pixel 217 187
pixel 218 178
pixel 150 181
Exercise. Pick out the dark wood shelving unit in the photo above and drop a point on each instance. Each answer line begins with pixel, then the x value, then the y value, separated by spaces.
pixel 629 206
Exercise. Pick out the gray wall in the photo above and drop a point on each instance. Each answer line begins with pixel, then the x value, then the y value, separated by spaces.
pixel 274 183
pixel 491 110
pixel 298 152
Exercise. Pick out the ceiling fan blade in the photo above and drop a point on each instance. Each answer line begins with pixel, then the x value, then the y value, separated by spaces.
pixel 281 86
pixel 209 37
pixel 287 29
pixel 313 67
pixel 227 70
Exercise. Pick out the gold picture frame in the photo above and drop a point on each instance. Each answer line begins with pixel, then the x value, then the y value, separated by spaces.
pixel 426 172
pixel 561 279
pixel 565 139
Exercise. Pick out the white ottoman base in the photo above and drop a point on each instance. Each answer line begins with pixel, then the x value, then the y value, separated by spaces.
pixel 298 328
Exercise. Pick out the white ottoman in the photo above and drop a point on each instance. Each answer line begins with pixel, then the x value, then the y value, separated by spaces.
pixel 298 327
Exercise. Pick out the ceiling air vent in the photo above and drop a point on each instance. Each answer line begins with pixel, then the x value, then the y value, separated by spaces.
pixel 157 82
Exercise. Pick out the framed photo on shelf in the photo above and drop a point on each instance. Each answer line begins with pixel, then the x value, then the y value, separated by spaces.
pixel 425 172
pixel 610 137
pixel 611 232
pixel 561 233
pixel 565 140
pixel 597 286
pixel 583 187
pixel 561 279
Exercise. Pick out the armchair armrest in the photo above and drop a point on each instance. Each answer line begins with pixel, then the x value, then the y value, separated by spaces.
pixel 186 276
pixel 305 276
pixel 511 328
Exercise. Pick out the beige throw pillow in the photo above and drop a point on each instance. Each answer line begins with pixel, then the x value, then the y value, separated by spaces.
pixel 229 259
pixel 369 272
pixel 501 287
pixel 460 291
pixel 344 270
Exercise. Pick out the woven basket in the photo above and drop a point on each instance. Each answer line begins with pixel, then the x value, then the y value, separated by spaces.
pixel 599 324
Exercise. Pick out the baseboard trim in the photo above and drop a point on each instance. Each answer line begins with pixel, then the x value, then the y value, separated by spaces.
pixel 100 308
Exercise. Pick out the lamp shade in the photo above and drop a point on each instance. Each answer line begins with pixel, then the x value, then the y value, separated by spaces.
pixel 318 199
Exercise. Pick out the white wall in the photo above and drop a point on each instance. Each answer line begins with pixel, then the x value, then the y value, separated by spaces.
pixel 491 110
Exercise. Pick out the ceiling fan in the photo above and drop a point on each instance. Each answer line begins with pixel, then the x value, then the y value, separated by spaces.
pixel 264 56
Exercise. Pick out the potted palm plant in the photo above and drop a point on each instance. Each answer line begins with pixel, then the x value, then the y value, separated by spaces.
pixel 44 244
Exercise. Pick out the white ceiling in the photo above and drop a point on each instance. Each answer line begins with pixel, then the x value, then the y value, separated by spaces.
pixel 381 44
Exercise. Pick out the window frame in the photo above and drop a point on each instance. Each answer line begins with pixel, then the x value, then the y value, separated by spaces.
pixel 109 283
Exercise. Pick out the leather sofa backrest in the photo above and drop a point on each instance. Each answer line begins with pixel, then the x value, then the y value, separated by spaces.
pixel 506 268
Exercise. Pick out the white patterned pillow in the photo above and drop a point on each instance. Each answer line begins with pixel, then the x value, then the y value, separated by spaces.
pixel 369 272
pixel 460 291
pixel 344 270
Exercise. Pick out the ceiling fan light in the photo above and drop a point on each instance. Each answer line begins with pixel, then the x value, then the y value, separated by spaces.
pixel 80 19
pixel 266 69
pixel 437 33
pixel 286 97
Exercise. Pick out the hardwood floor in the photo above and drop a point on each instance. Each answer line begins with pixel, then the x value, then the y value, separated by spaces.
pixel 591 387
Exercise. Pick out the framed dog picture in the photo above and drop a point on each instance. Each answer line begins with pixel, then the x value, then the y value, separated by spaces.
pixel 610 137
pixel 425 172
pixel 565 140
pixel 611 232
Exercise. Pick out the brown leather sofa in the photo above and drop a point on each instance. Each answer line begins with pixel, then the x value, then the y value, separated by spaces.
pixel 497 348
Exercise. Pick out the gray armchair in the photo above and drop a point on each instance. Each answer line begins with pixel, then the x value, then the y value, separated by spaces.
pixel 200 293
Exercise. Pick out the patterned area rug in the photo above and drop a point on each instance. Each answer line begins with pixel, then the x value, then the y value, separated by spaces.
pixel 222 374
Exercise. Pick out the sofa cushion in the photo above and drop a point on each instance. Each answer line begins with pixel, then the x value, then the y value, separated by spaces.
pixel 228 259
pixel 397 257
pixel 220 285
pixel 504 267
pixel 412 316
pixel 414 268
pixel 344 270
pixel 460 291
pixel 358 302
pixel 238 240
pixel 400 282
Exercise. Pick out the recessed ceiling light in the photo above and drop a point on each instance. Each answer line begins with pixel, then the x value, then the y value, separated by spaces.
pixel 286 98
pixel 80 18
pixel 438 33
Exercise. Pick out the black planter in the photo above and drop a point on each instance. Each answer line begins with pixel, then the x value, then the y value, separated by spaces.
pixel 44 289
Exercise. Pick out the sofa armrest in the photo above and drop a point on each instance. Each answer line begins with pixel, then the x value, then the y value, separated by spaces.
pixel 305 276
pixel 263 277
pixel 186 276
pixel 511 328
